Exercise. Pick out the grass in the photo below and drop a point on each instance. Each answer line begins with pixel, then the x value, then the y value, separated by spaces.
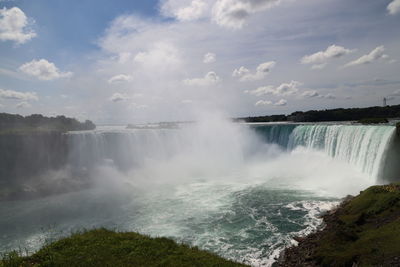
pixel 367 230
pixel 103 247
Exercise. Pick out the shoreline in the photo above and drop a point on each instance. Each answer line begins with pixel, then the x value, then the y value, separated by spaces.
pixel 362 231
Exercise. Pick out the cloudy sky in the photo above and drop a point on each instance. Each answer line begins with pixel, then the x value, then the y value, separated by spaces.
pixel 137 61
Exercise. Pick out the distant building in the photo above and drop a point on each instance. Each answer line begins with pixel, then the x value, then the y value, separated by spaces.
pixel 384 102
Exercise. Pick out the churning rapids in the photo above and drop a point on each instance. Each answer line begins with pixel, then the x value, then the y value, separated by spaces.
pixel 242 191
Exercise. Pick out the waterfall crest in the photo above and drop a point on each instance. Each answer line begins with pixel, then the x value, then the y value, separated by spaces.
pixel 361 146
pixel 125 149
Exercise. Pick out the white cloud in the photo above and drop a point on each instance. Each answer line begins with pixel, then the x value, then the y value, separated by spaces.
pixel 284 89
pixel 394 7
pixel 329 96
pixel 281 102
pixel 266 67
pixel 43 70
pixel 209 58
pixel 262 70
pixel 23 105
pixel 263 103
pixel 319 59
pixel 376 54
pixel 131 36
pixel 15 95
pixel 209 79
pixel 233 13
pixel 287 88
pixel 263 90
pixel 314 93
pixel 117 97
pixel 184 10
pixel 124 57
pixel 14 26
pixel 120 78
pixel 242 71
pixel 192 12
pixel 310 93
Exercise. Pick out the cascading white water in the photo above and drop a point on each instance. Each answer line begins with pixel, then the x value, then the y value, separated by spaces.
pixel 124 148
pixel 359 145
pixel 242 192
pixel 180 150
pixel 183 154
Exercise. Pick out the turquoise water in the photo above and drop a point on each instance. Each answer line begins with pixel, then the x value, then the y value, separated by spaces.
pixel 240 192
pixel 243 222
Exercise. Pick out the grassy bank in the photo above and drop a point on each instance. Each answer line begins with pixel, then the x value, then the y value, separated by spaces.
pixel 102 247
pixel 364 231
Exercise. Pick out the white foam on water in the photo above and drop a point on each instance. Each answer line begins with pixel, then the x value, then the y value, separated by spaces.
pixel 214 184
pixel 314 209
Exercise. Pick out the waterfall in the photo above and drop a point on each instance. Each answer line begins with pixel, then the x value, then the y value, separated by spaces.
pixel 359 145
pixel 125 149
pixel 363 147
pixel 276 133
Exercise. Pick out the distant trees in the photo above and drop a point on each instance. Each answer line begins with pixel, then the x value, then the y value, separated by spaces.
pixel 373 121
pixel 339 114
pixel 38 122
pixel 348 114
pixel 272 118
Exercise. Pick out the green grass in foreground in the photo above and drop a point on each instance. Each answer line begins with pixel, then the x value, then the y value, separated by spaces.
pixel 102 247
pixel 367 231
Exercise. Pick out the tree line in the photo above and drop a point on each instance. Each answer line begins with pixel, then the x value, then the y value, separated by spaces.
pixel 338 114
pixel 38 122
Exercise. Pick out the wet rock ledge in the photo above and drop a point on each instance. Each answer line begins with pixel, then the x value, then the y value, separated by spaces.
pixel 362 231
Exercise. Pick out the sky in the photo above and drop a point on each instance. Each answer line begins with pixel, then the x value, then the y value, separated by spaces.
pixel 170 60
